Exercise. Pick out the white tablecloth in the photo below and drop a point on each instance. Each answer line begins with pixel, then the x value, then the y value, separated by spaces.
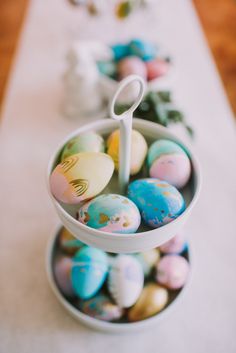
pixel 31 319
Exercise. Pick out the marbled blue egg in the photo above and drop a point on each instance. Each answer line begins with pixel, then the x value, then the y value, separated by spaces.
pixel 120 51
pixel 144 50
pixel 89 271
pixel 110 213
pixel 158 201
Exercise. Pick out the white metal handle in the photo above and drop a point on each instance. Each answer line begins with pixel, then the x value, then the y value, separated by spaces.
pixel 126 128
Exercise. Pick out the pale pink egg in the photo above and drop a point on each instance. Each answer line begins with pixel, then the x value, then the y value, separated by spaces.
pixel 62 272
pixel 173 168
pixel 175 245
pixel 132 65
pixel 172 271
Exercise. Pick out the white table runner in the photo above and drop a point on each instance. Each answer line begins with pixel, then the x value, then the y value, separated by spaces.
pixel 31 319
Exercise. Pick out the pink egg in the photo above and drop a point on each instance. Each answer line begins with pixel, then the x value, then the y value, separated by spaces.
pixel 172 271
pixel 175 245
pixel 156 68
pixel 173 168
pixel 62 272
pixel 132 65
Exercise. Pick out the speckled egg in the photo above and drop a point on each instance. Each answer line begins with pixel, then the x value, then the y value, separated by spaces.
pixel 156 68
pixel 125 280
pixel 62 271
pixel 138 150
pixel 132 65
pixel 158 201
pixel 101 308
pixel 81 176
pixel 148 260
pixel 85 142
pixel 151 301
pixel 143 49
pixel 68 243
pixel 89 271
pixel 176 245
pixel 168 161
pixel 120 51
pixel 172 271
pixel 110 213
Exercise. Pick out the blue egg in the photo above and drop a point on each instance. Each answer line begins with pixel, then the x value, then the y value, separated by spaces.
pixel 89 271
pixel 144 50
pixel 120 51
pixel 158 201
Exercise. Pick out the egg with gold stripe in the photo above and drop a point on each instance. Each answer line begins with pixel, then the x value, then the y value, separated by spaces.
pixel 81 176
pixel 159 202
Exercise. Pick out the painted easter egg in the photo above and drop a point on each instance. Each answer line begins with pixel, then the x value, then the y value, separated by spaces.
pixel 120 51
pixel 158 201
pixel 62 271
pixel 172 271
pixel 68 243
pixel 89 271
pixel 110 213
pixel 143 49
pixel 85 142
pixel 138 150
pixel 176 245
pixel 101 307
pixel 168 161
pixel 81 176
pixel 151 301
pixel 125 280
pixel 156 68
pixel 148 260
pixel 132 65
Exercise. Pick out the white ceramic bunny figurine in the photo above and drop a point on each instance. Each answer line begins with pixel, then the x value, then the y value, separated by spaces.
pixel 83 96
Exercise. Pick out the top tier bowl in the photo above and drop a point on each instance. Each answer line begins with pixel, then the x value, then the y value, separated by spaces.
pixel 145 238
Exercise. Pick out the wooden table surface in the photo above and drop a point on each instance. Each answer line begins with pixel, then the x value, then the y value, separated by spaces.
pixel 218 18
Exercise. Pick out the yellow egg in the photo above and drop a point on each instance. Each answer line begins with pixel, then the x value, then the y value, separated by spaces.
pixel 151 301
pixel 81 176
pixel 138 150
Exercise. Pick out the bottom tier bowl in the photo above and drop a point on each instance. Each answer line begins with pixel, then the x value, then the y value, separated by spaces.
pixel 120 326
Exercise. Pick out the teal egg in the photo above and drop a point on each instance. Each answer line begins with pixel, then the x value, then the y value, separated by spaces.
pixel 110 213
pixel 120 51
pixel 89 271
pixel 158 201
pixel 160 147
pixel 143 49
pixel 85 142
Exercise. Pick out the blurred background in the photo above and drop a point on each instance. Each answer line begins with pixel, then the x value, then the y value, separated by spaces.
pixel 218 19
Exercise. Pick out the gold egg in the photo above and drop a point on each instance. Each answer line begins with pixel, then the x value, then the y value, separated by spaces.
pixel 151 301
